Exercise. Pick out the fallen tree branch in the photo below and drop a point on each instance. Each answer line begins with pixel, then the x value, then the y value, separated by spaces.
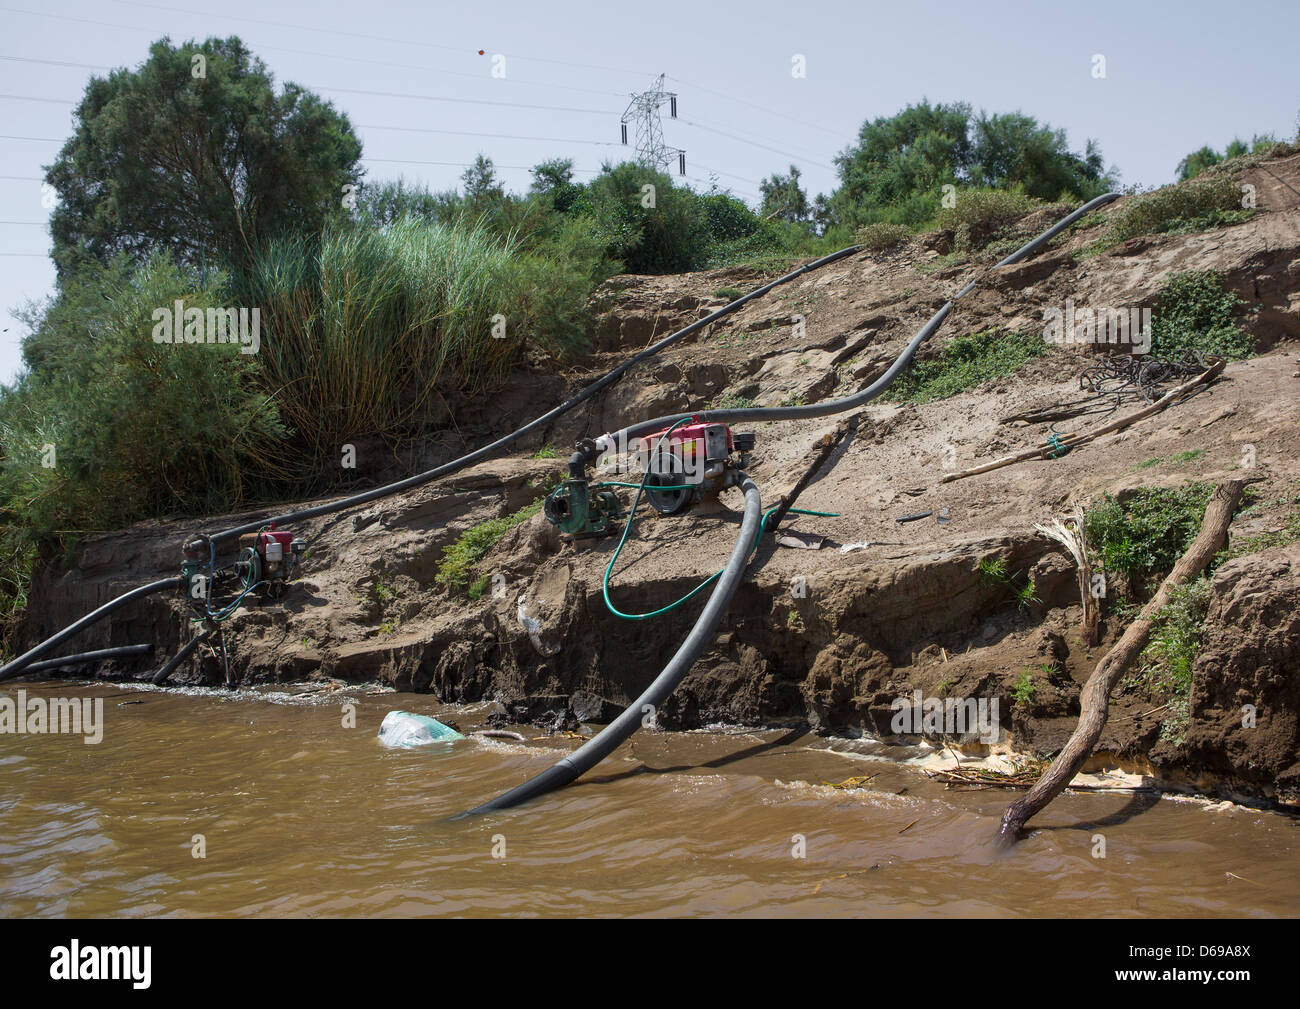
pixel 824 448
pixel 1049 450
pixel 1094 699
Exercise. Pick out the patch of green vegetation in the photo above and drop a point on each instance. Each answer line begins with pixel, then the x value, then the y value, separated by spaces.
pixel 1166 662
pixel 1191 206
pixel 882 235
pixel 1178 459
pixel 1023 691
pixel 1195 313
pixel 545 452
pixel 994 572
pixel 478 586
pixel 730 293
pixel 1025 595
pixel 966 362
pixel 1289 533
pixel 727 401
pixel 940 263
pixel 1146 534
pixel 979 214
pixel 15 581
pixel 794 399
pixel 383 590
pixel 460 557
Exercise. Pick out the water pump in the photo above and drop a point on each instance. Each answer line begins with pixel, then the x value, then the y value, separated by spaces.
pixel 682 465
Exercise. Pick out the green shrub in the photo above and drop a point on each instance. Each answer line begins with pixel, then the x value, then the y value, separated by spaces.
pixel 1166 662
pixel 362 324
pixel 459 559
pixel 1195 313
pixel 979 214
pixel 882 235
pixel 1189 206
pixel 966 362
pixel 1024 689
pixel 664 238
pixel 139 428
pixel 1146 534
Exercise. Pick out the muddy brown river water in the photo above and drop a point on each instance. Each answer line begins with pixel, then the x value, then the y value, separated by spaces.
pixel 300 815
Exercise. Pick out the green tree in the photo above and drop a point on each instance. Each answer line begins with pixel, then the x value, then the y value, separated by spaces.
pixel 387 202
pixel 481 184
pixel 899 163
pixel 197 155
pixel 898 168
pixel 784 198
pixel 553 181
pixel 643 221
pixel 1197 162
pixel 1015 151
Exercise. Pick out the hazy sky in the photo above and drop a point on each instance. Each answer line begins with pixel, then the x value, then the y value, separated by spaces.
pixel 1178 76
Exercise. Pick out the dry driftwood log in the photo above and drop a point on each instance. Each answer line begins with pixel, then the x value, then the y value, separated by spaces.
pixel 1094 700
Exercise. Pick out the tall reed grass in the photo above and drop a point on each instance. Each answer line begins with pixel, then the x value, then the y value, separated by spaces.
pixel 362 326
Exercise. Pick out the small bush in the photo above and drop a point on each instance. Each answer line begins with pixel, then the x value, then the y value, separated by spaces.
pixel 882 235
pixel 979 214
pixel 1191 206
pixel 1166 662
pixel 1195 313
pixel 728 401
pixel 966 362
pixel 460 557
pixel 1149 532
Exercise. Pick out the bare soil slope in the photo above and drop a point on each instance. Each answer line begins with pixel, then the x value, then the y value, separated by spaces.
pixel 907 611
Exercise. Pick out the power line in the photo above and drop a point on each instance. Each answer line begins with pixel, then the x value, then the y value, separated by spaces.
pixel 33 98
pixel 374 38
pixel 755 143
pixel 467 164
pixel 298 52
pixel 499 136
pixel 462 101
pixel 760 108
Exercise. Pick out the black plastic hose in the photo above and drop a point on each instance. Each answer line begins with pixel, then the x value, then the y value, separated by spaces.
pixel 123 651
pixel 446 469
pixel 616 732
pixel 169 667
pixel 619 440
pixel 16 666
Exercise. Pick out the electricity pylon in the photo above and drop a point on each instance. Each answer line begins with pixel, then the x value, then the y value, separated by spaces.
pixel 650 147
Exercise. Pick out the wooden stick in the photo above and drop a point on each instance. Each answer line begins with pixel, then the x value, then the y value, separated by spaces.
pixel 1094 699
pixel 824 448
pixel 1041 451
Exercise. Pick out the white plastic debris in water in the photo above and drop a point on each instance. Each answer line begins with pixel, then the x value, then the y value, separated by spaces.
pixel 401 728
